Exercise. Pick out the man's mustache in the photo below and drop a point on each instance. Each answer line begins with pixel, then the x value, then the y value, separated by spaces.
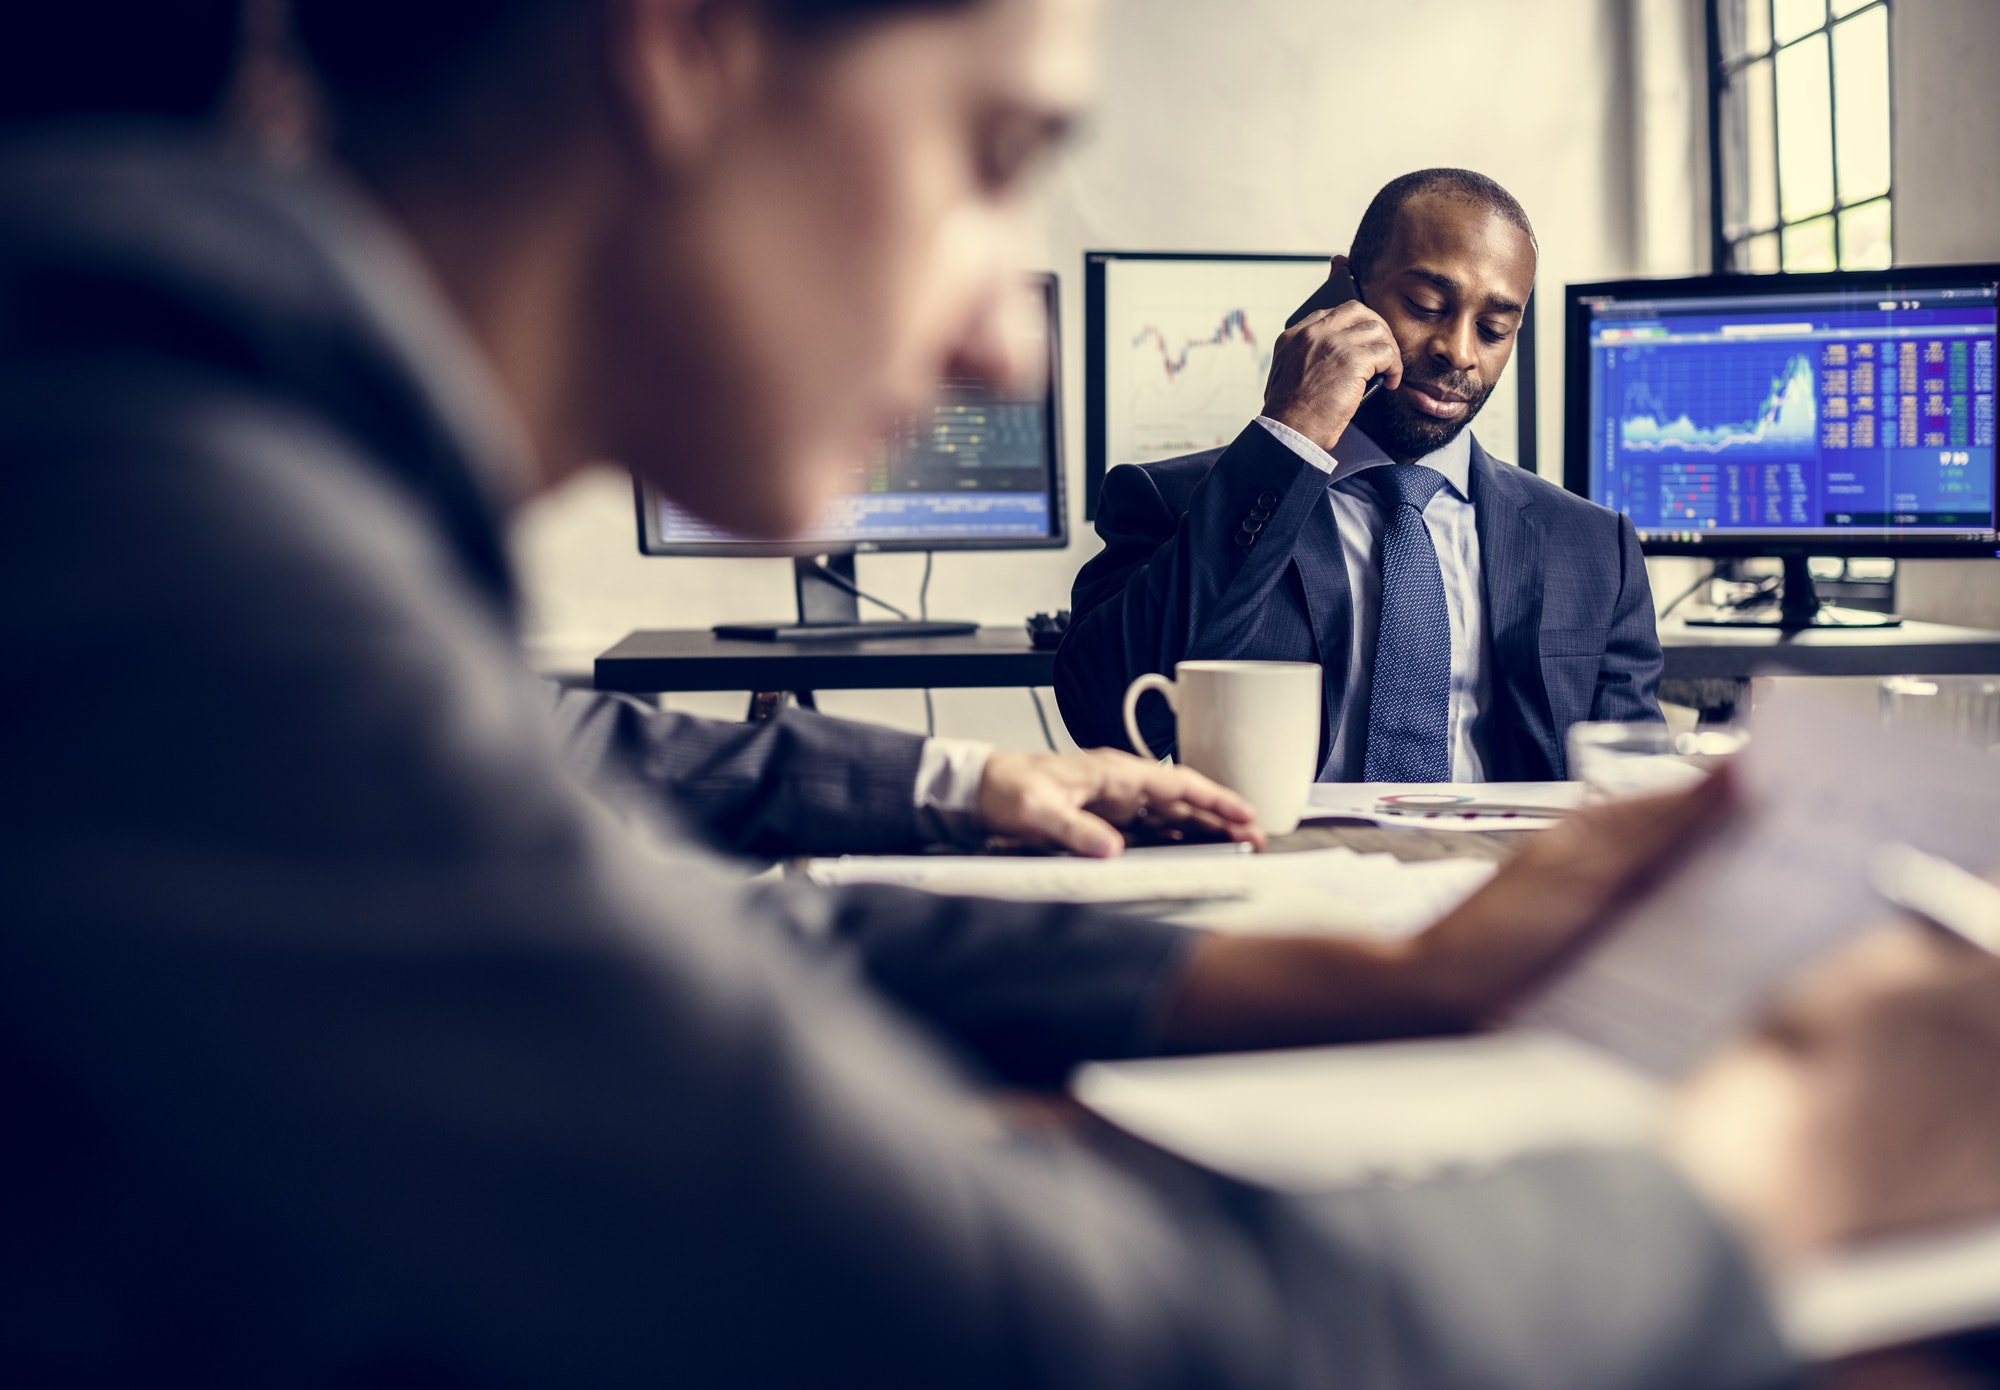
pixel 1462 386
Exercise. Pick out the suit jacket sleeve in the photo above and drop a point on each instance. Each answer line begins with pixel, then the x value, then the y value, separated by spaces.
pixel 1028 991
pixel 1628 681
pixel 347 1040
pixel 1170 586
pixel 798 784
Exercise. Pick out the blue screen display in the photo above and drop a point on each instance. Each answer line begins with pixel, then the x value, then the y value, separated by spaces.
pixel 1791 415
pixel 978 468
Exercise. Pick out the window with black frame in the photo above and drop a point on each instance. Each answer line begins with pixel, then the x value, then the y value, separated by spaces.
pixel 1799 134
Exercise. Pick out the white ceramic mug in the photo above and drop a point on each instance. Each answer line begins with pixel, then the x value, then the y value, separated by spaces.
pixel 1253 726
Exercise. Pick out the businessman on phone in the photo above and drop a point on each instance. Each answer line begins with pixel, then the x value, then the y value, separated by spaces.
pixel 1465 612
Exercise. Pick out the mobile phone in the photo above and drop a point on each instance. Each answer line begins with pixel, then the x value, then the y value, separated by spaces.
pixel 1338 289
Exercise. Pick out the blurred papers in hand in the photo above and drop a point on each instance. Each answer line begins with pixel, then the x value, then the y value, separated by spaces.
pixel 1783 883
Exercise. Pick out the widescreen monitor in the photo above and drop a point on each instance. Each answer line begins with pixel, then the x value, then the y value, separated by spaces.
pixel 1847 413
pixel 1177 347
pixel 983 471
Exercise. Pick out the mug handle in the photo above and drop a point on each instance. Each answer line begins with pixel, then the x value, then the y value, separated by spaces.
pixel 1152 680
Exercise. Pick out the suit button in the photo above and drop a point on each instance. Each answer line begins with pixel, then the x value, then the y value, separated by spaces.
pixel 1267 500
pixel 1246 538
pixel 1252 525
pixel 1259 514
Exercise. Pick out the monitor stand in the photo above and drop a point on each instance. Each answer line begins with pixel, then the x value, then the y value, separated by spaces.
pixel 830 612
pixel 1797 609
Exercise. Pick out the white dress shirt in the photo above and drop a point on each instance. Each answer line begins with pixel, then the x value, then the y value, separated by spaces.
pixel 949 774
pixel 1360 514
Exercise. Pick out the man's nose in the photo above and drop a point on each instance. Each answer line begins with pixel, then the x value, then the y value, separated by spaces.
pixel 1456 343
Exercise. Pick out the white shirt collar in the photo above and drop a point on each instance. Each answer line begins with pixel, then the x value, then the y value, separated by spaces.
pixel 1356 452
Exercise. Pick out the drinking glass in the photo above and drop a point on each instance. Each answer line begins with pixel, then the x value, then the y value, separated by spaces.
pixel 1958 709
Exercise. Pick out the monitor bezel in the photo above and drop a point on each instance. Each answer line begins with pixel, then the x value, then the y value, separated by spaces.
pixel 1576 401
pixel 1095 425
pixel 652 543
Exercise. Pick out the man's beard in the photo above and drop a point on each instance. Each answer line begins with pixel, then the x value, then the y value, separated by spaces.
pixel 1402 431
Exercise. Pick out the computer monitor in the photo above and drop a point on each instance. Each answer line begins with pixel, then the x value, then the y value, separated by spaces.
pixel 1837 414
pixel 1177 346
pixel 983 471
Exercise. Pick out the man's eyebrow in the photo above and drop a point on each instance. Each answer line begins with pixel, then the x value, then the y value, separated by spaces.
pixel 1498 303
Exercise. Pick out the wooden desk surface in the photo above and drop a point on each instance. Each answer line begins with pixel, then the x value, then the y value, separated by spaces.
pixel 1409 843
pixel 1913 649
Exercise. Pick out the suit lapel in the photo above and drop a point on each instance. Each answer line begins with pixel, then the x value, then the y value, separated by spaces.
pixel 1521 727
pixel 1320 570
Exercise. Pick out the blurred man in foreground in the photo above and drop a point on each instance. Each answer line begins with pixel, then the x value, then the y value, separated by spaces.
pixel 347 1040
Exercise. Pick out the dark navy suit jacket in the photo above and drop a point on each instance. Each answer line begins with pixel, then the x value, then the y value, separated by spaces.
pixel 1569 613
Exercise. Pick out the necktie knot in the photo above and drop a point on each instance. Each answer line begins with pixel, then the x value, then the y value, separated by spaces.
pixel 1406 484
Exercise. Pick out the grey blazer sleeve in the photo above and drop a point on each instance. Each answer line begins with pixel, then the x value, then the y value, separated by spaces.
pixel 347 1040
pixel 794 785
pixel 1026 991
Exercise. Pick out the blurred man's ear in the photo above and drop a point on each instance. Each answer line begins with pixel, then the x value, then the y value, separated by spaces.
pixel 681 68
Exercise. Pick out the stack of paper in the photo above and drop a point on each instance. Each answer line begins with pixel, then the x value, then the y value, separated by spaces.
pixel 1315 1119
pixel 1337 891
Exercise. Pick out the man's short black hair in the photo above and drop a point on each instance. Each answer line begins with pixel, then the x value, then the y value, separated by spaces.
pixel 1378 224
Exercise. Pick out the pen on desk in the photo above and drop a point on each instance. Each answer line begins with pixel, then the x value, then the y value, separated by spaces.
pixel 1472 808
pixel 1178 902
pixel 1938 891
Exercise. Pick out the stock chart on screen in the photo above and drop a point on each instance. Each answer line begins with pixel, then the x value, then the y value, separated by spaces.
pixel 981 470
pixel 1188 346
pixel 1794 414
pixel 975 469
pixel 1178 350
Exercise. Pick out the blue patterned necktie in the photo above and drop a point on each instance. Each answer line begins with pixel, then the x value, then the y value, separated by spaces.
pixel 1409 705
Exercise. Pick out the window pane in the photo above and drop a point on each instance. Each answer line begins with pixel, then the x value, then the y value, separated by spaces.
pixel 1841 7
pixel 1756 26
pixel 1809 246
pixel 1791 18
pixel 1864 236
pixel 1758 253
pixel 1749 152
pixel 1736 19
pixel 1805 130
pixel 1861 104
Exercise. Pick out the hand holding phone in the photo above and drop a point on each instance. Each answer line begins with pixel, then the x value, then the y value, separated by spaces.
pixel 1335 352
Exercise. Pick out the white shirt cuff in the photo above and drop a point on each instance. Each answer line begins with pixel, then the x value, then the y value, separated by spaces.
pixel 1299 444
pixel 949 774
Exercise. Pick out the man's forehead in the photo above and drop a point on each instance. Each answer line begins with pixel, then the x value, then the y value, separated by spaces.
pixel 1468 242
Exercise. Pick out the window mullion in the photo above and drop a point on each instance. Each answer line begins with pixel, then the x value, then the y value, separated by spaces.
pixel 1833 141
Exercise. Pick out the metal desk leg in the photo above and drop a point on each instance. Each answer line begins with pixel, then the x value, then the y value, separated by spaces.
pixel 769 704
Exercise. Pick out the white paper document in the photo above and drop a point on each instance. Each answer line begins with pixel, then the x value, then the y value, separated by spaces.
pixel 1785 882
pixel 1316 1119
pixel 1513 804
pixel 1338 891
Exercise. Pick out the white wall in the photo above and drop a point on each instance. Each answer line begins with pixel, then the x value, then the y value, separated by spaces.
pixel 1255 125
pixel 1945 55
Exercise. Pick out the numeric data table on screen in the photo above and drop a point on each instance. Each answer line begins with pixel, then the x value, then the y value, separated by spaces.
pixel 1829 414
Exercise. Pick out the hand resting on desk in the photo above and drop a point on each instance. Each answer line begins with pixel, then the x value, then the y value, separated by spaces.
pixel 1075 801
pixel 1463 972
